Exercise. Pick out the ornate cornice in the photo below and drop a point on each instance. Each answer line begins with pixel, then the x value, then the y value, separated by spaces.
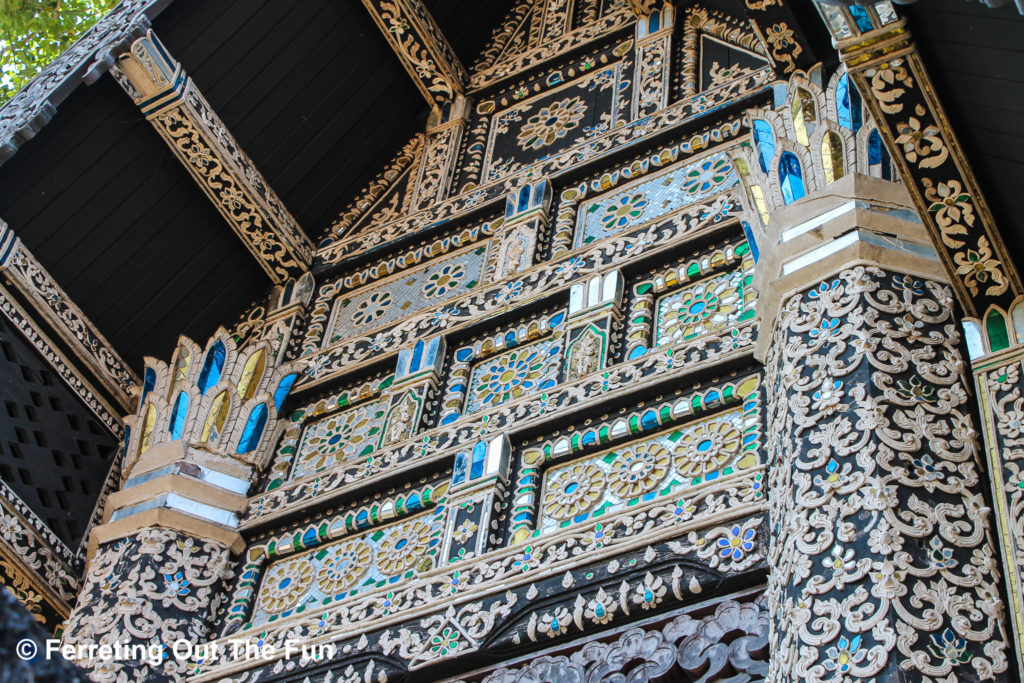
pixel 421 47
pixel 201 141
pixel 55 307
pixel 92 54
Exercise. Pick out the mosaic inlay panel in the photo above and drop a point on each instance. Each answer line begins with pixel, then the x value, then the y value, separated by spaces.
pixel 541 126
pixel 351 566
pixel 342 437
pixel 518 372
pixel 658 465
pixel 415 290
pixel 654 196
pixel 709 306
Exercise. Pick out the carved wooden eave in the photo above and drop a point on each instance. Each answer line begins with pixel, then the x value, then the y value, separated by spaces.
pixel 886 67
pixel 158 84
pixel 91 55
pixel 35 564
pixel 421 47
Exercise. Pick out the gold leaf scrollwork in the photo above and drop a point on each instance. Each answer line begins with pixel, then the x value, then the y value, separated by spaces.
pixel 785 47
pixel 922 142
pixel 979 267
pixel 886 80
pixel 953 209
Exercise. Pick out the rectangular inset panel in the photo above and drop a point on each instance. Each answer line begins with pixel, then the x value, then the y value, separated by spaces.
pixel 353 565
pixel 513 374
pixel 642 470
pixel 419 288
pixel 654 196
pixel 703 308
pixel 339 438
pixel 541 126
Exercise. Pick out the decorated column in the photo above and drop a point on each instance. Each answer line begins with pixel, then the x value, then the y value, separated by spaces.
pixel 445 127
pixel 653 60
pixel 204 431
pixel 526 222
pixel 883 561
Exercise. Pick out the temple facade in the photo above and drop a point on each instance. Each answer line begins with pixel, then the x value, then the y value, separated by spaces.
pixel 674 341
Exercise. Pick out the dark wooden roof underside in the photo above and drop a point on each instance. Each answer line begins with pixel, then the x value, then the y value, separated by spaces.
pixel 313 94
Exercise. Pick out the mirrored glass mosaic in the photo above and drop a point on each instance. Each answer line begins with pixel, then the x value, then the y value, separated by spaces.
pixel 419 288
pixel 639 471
pixel 342 437
pixel 654 196
pixel 351 566
pixel 519 372
pixel 708 306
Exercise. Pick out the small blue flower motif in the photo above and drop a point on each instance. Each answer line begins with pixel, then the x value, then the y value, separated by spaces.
pixel 827 328
pixel 322 623
pixel 510 291
pixel 822 288
pixel 925 468
pixel 572 266
pixel 844 654
pixel 443 316
pixel 828 395
pixel 524 561
pixel 737 543
pixel 314 369
pixel 949 647
pixel 941 556
pixel 908 283
pixel 177 583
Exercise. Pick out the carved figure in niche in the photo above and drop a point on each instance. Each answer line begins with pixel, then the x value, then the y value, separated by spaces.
pixel 585 356
pixel 516 252
pixel 400 425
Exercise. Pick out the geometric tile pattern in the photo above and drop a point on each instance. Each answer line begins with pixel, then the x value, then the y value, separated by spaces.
pixel 340 438
pixel 513 374
pixel 705 307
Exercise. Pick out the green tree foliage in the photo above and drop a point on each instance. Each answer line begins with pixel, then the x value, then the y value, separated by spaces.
pixel 34 32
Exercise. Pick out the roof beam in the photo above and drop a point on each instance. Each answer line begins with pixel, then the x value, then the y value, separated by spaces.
pixel 421 47
pixel 158 84
pixel 30 296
